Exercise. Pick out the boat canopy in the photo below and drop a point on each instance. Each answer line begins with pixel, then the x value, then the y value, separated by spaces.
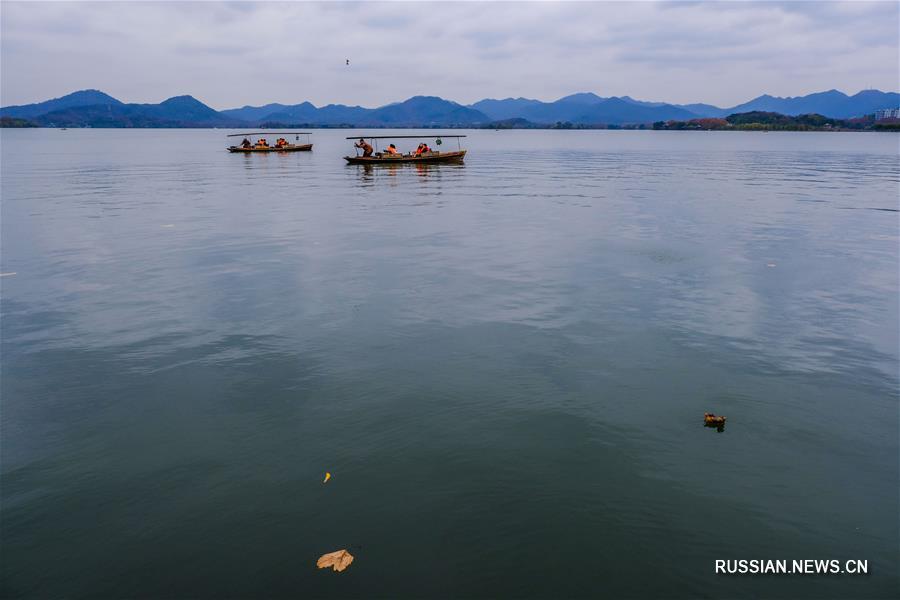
pixel 434 136
pixel 389 137
pixel 269 133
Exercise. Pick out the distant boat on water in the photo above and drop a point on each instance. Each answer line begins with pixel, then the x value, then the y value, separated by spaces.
pixel 262 144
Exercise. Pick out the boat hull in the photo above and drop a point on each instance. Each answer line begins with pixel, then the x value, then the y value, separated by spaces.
pixel 253 150
pixel 431 158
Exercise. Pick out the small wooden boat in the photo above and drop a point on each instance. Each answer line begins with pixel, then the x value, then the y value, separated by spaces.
pixel 386 158
pixel 282 148
pixel 429 157
pixel 262 144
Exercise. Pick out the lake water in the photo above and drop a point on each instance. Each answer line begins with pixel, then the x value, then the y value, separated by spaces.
pixel 504 365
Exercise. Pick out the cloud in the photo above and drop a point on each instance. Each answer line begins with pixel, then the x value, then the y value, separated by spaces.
pixel 235 53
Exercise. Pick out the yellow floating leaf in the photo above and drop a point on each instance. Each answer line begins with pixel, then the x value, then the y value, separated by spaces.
pixel 340 560
pixel 327 477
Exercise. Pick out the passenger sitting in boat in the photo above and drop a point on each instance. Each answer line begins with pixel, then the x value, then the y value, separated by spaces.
pixel 392 149
pixel 420 149
pixel 262 142
pixel 425 148
pixel 246 143
pixel 366 148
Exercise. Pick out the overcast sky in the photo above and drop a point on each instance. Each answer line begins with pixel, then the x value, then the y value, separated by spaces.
pixel 229 54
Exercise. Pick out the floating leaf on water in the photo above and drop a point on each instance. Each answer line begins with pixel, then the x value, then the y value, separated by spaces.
pixel 340 560
pixel 327 477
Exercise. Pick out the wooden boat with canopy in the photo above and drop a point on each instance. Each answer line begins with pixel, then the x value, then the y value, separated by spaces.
pixel 280 144
pixel 383 157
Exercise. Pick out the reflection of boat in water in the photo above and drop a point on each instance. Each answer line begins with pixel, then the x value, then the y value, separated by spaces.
pixel 422 170
pixel 262 144
pixel 418 157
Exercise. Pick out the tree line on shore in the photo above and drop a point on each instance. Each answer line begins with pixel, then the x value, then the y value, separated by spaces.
pixel 749 121
pixel 772 121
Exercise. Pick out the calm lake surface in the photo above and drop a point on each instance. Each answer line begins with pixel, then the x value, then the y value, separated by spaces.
pixel 504 366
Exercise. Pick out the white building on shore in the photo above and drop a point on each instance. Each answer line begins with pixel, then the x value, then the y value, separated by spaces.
pixel 887 113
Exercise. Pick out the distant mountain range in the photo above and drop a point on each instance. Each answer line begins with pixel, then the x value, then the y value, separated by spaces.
pixel 93 108
pixel 417 111
pixel 584 108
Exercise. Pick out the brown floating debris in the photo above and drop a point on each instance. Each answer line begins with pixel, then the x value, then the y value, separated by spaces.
pixel 711 420
pixel 340 560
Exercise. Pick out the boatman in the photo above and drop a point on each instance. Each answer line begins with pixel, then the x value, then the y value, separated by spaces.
pixel 366 148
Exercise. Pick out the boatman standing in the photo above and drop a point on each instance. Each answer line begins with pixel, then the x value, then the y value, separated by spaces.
pixel 366 148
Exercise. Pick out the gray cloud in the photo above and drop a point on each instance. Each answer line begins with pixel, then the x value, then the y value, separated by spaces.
pixel 232 53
